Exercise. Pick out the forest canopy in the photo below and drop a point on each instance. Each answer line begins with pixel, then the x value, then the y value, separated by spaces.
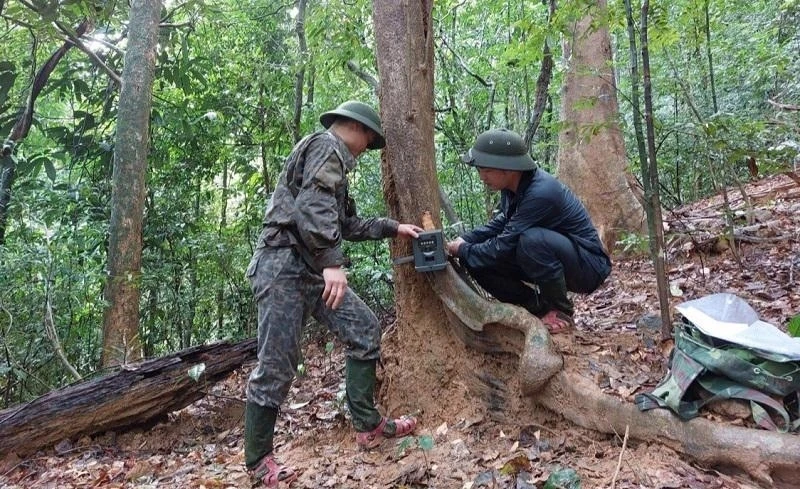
pixel 226 112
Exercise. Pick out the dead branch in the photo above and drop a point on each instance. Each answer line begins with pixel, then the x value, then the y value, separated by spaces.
pixel 52 335
pixel 789 107
pixel 363 75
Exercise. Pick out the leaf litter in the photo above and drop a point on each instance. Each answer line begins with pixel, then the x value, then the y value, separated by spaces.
pixel 617 341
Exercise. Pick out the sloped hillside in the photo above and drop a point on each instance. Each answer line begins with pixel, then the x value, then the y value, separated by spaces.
pixel 480 444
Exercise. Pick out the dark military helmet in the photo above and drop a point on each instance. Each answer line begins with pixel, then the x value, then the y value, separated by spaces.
pixel 360 112
pixel 499 148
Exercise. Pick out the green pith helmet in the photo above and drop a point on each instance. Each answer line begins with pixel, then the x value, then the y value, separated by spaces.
pixel 501 149
pixel 360 112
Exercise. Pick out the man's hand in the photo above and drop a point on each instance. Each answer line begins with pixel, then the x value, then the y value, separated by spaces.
pixel 408 231
pixel 335 286
pixel 453 246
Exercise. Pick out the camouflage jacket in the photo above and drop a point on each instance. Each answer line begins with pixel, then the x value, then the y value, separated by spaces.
pixel 311 209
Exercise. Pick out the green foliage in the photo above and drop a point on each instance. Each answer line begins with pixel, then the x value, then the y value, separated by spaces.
pixel 222 124
pixel 423 442
pixel 634 243
pixel 794 327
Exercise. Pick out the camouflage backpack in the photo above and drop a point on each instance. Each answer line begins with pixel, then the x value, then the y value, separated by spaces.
pixel 704 369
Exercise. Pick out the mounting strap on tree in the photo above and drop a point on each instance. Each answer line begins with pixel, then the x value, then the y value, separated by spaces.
pixel 704 369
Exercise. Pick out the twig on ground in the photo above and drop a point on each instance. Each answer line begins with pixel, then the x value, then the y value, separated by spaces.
pixel 619 461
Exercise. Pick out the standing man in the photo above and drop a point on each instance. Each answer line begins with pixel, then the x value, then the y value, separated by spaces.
pixel 296 271
pixel 540 244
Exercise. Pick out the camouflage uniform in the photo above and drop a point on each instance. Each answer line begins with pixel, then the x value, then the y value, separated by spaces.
pixel 309 214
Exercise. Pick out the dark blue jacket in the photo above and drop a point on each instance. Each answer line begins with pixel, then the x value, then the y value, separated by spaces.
pixel 541 201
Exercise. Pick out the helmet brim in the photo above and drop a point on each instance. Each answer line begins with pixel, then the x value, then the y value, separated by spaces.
pixel 482 159
pixel 327 119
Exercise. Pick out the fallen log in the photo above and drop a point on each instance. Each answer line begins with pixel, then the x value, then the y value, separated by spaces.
pixel 768 457
pixel 139 394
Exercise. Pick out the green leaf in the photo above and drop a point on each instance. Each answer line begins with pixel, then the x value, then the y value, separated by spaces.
pixel 50 169
pixel 794 326
pixel 196 371
pixel 405 444
pixel 425 443
pixel 563 479
pixel 329 347
pixel 87 119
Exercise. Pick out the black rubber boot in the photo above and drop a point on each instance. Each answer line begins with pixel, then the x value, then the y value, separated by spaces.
pixel 554 294
pixel 259 429
pixel 360 389
pixel 534 302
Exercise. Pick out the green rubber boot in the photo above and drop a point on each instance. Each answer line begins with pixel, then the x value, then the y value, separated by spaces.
pixel 360 390
pixel 259 428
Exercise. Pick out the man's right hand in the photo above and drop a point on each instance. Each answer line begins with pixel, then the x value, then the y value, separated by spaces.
pixel 335 286
pixel 453 246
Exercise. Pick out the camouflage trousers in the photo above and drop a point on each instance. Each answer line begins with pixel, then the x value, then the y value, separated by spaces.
pixel 287 292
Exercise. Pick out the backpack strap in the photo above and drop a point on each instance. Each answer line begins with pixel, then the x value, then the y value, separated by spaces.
pixel 671 391
pixel 722 388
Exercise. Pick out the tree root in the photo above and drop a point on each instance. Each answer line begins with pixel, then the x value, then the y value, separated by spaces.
pixel 495 327
pixel 768 457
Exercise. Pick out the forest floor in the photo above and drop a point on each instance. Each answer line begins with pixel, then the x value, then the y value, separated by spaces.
pixel 201 445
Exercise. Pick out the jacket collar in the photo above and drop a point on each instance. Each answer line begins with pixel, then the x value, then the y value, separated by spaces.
pixel 342 151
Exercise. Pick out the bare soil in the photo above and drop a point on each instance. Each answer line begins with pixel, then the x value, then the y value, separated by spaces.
pixel 482 433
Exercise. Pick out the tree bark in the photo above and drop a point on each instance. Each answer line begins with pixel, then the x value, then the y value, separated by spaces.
pixel 121 343
pixel 650 180
pixel 137 395
pixel 591 158
pixel 404 35
pixel 542 84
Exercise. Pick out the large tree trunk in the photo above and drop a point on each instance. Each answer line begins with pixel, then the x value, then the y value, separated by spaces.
pixel 430 370
pixel 404 34
pixel 121 342
pixel 591 155
pixel 138 395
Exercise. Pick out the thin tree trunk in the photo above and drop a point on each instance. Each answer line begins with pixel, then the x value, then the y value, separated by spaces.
pixel 709 56
pixel 262 118
pixel 223 223
pixel 121 342
pixel 52 334
pixel 194 287
pixel 651 187
pixel 299 77
pixel 542 85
